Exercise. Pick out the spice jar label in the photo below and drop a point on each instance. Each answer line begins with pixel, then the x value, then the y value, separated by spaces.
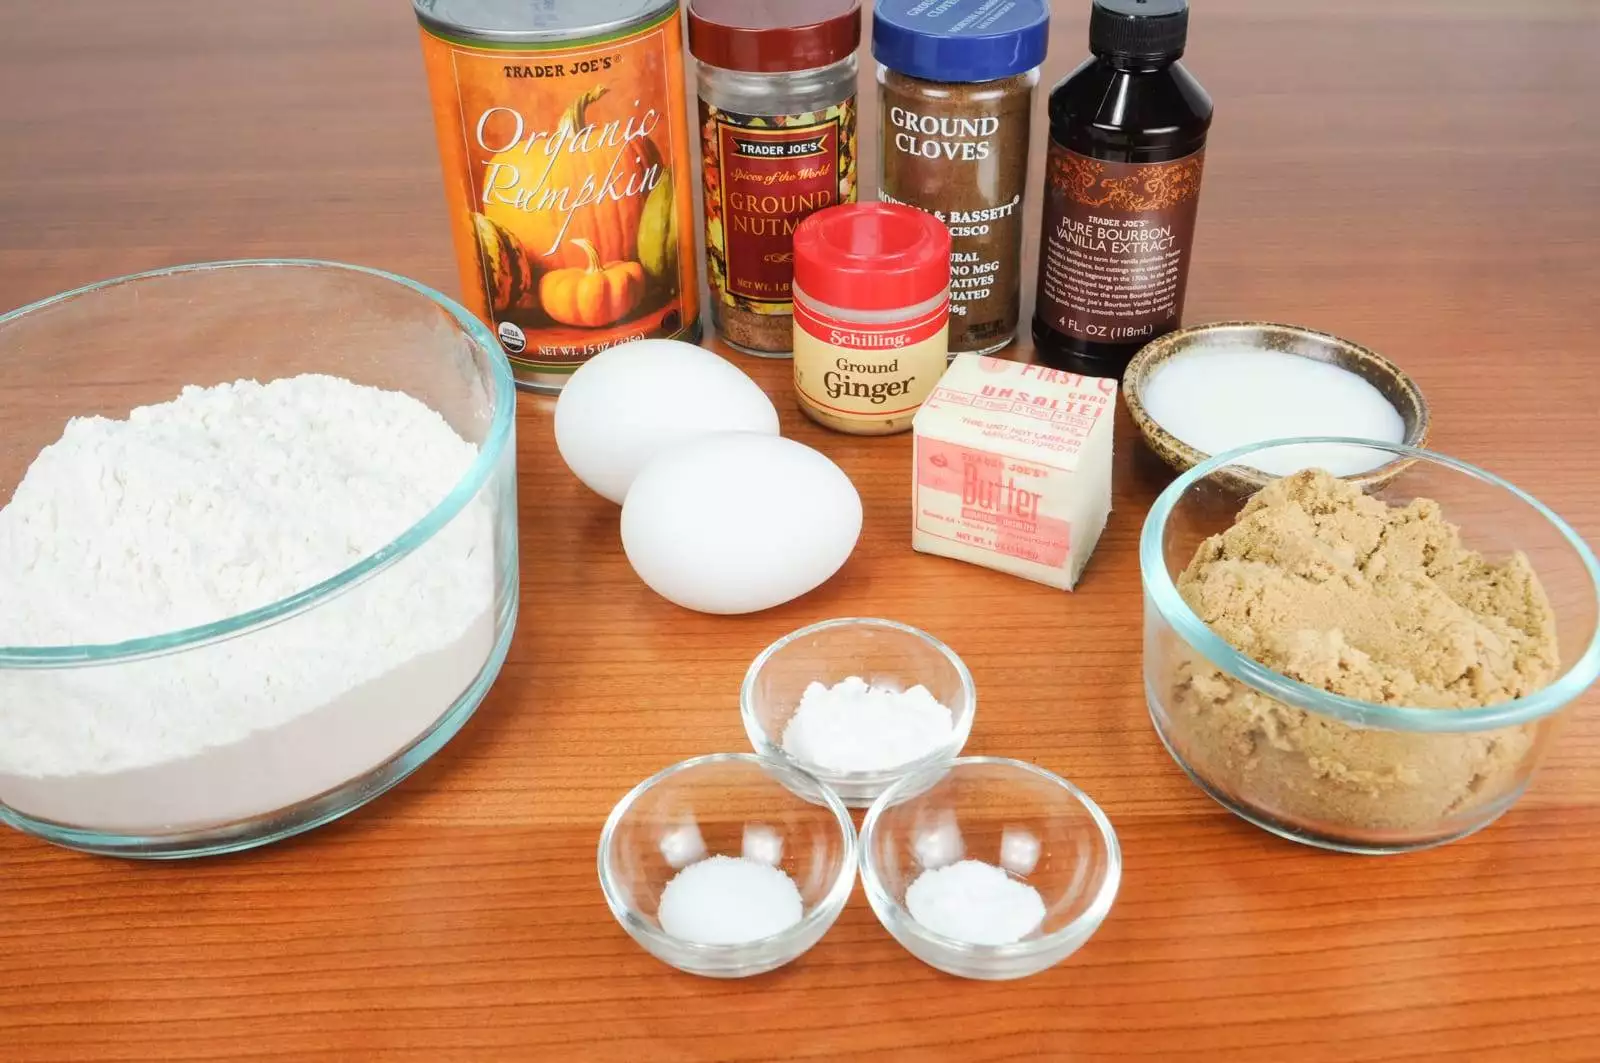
pixel 865 373
pixel 1116 237
pixel 765 174
pixel 567 171
pixel 961 154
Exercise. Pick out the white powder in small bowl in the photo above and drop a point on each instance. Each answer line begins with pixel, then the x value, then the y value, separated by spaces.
pixel 729 900
pixel 975 902
pixel 858 726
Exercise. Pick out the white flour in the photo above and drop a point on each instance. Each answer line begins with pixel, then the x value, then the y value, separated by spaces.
pixel 187 513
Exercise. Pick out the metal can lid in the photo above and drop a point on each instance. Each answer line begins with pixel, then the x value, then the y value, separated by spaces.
pixel 539 22
pixel 871 256
pixel 773 36
pixel 962 41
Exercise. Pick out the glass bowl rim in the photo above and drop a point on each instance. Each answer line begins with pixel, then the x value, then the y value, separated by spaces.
pixel 1163 592
pixel 699 954
pixel 774 751
pixel 471 482
pixel 1083 925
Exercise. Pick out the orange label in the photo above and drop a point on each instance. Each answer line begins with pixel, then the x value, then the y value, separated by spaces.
pixel 567 171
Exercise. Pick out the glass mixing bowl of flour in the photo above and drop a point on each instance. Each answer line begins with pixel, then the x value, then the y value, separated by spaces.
pixel 1368 670
pixel 235 612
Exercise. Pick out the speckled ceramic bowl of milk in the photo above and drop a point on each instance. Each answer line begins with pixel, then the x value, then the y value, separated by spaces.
pixel 1211 388
pixel 259 550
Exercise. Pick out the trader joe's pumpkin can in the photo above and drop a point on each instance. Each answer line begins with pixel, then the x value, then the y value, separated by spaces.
pixel 565 144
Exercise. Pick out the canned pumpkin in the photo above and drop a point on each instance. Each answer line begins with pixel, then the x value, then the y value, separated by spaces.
pixel 565 146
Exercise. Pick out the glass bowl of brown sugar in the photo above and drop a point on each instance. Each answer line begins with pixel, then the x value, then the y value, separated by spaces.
pixel 1371 670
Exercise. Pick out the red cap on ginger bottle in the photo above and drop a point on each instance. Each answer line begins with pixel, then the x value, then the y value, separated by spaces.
pixel 871 256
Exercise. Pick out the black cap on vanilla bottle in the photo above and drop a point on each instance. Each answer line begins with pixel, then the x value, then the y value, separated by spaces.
pixel 1139 29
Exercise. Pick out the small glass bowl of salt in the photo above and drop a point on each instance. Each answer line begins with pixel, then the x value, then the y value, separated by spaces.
pixel 858 704
pixel 728 865
pixel 991 868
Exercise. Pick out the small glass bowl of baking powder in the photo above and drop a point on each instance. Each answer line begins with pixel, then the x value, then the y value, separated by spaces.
pixel 728 865
pixel 858 704
pixel 990 868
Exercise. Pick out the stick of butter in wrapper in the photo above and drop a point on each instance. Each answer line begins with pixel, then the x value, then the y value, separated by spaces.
pixel 1012 468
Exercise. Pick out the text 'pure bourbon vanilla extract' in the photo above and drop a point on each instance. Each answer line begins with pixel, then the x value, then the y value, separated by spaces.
pixel 1127 145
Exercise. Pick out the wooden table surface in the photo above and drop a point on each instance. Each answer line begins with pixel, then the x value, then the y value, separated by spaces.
pixel 1420 175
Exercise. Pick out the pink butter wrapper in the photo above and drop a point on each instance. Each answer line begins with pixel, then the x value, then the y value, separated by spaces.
pixel 1012 468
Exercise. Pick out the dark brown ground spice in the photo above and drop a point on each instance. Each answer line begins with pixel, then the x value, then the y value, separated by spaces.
pixel 777 82
pixel 735 317
pixel 941 142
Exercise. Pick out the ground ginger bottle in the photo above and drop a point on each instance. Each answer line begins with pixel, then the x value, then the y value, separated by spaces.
pixel 1122 184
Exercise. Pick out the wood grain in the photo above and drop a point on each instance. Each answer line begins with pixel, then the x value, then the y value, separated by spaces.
pixel 1420 175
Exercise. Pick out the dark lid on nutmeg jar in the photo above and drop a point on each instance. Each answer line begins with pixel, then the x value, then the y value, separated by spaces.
pixel 773 36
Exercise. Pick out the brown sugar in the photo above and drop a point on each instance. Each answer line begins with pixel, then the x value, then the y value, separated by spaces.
pixel 1340 591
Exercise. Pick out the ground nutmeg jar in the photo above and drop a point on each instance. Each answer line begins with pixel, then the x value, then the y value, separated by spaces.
pixel 777 86
pixel 871 315
pixel 956 84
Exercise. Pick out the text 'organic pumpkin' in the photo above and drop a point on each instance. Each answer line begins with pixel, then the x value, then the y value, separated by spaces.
pixel 564 163
pixel 587 181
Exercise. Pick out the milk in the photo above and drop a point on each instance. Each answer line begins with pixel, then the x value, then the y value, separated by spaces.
pixel 1218 398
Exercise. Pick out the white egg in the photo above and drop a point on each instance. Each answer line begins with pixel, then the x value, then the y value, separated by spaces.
pixel 739 522
pixel 630 403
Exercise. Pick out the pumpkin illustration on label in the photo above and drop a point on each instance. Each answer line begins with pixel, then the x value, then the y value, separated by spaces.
pixel 506 269
pixel 658 232
pixel 595 294
pixel 584 181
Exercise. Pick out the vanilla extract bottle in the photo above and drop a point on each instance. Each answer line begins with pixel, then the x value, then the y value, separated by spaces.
pixel 1127 148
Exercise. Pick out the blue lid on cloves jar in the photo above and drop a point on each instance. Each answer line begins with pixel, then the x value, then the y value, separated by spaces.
pixel 961 41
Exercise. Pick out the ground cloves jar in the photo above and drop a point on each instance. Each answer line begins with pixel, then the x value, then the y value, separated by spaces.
pixel 777 86
pixel 956 83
